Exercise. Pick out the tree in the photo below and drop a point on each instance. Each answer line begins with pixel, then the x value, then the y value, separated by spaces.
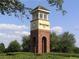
pixel 57 3
pixel 10 6
pixel 67 42
pixel 53 40
pixel 76 50
pixel 14 46
pixel 2 47
pixel 15 6
pixel 63 43
pixel 26 43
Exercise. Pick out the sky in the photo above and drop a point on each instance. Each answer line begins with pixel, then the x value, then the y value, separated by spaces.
pixel 13 28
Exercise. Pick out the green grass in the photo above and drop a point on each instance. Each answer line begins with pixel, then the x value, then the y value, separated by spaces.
pixel 28 55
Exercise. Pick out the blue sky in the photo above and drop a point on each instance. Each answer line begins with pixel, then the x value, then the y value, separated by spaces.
pixel 12 28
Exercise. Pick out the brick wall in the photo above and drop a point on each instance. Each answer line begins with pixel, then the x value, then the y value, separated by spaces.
pixel 38 35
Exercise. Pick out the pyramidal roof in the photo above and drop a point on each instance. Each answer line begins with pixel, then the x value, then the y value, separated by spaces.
pixel 40 7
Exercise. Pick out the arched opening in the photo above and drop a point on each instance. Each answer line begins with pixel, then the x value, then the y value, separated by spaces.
pixel 44 42
pixel 34 45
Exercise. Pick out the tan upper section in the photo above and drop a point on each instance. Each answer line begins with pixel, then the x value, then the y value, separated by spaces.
pixel 40 24
pixel 40 18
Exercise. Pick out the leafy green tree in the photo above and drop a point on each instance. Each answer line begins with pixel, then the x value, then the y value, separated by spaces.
pixel 14 46
pixel 10 6
pixel 57 3
pixel 67 42
pixel 15 7
pixel 26 43
pixel 76 50
pixel 53 40
pixel 63 43
pixel 2 48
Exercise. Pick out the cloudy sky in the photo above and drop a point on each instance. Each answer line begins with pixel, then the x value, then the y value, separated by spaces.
pixel 13 28
pixel 10 32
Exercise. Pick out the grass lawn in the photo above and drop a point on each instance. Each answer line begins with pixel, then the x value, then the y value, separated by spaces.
pixel 26 55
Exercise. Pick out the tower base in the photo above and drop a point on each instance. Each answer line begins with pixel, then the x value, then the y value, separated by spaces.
pixel 40 41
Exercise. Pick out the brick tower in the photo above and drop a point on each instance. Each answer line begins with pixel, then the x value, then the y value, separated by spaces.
pixel 40 30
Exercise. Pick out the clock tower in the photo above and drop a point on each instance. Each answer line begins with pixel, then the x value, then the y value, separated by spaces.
pixel 40 30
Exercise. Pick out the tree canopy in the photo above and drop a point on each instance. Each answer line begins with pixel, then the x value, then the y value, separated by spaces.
pixel 63 43
pixel 10 6
pixel 16 6
pixel 26 43
pixel 14 46
pixel 2 47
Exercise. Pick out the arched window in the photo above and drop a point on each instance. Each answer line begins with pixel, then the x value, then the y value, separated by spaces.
pixel 34 42
pixel 44 44
pixel 35 45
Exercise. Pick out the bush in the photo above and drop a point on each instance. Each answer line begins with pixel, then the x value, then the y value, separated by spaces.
pixel 2 48
pixel 26 44
pixel 76 50
pixel 14 46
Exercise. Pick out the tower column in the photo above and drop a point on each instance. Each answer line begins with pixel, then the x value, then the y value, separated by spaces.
pixel 40 31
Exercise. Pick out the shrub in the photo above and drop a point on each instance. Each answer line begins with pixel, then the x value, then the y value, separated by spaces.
pixel 2 48
pixel 14 46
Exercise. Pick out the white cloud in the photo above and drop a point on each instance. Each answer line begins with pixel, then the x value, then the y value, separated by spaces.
pixel 15 34
pixel 57 29
pixel 10 32
pixel 1 34
pixel 21 33
pixel 13 27
pixel 25 33
pixel 6 38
